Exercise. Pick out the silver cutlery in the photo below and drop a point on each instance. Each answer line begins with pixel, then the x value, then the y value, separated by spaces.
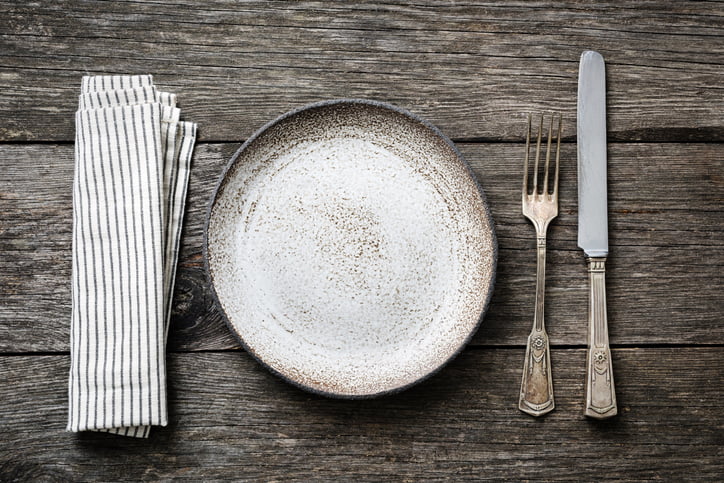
pixel 540 206
pixel 593 230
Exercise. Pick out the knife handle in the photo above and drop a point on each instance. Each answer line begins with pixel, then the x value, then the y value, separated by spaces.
pixel 600 391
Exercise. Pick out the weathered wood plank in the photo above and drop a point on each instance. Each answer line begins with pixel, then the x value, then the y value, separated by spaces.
pixel 472 68
pixel 665 270
pixel 230 419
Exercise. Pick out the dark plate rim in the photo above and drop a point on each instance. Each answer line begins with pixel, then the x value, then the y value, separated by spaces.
pixel 210 279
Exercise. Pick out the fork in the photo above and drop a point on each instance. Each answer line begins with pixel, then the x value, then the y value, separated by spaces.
pixel 540 207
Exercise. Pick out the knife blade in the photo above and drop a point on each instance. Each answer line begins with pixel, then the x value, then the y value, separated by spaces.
pixel 593 229
pixel 592 189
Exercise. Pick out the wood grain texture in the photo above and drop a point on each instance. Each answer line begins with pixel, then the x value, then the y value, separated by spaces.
pixel 473 68
pixel 664 273
pixel 230 419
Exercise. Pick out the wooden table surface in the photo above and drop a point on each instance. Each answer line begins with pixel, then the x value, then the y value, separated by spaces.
pixel 473 69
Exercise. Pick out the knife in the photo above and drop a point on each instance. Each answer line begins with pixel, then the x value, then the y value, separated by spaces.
pixel 593 229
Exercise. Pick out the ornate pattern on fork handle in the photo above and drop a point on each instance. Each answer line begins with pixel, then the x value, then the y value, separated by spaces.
pixel 600 391
pixel 536 389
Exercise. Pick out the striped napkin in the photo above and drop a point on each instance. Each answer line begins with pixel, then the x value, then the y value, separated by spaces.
pixel 132 160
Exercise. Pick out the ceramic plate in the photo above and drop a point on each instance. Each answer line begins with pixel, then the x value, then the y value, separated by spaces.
pixel 350 248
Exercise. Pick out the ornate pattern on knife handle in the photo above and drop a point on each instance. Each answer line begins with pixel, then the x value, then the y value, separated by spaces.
pixel 600 390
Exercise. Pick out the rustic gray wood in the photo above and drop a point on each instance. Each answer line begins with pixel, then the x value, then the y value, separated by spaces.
pixel 473 68
pixel 664 270
pixel 230 419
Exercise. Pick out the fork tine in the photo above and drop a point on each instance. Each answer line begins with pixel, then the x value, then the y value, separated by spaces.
pixel 548 156
pixel 537 157
pixel 525 164
pixel 558 156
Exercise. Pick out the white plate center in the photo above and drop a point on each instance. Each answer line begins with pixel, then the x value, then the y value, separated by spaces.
pixel 342 257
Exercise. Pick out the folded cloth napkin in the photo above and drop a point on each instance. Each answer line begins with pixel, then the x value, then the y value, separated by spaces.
pixel 132 160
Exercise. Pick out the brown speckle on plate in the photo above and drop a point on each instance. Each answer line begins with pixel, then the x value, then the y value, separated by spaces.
pixel 350 248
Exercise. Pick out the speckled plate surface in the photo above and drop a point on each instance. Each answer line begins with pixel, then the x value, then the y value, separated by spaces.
pixel 350 248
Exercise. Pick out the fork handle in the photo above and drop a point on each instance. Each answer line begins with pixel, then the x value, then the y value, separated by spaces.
pixel 536 389
pixel 600 391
